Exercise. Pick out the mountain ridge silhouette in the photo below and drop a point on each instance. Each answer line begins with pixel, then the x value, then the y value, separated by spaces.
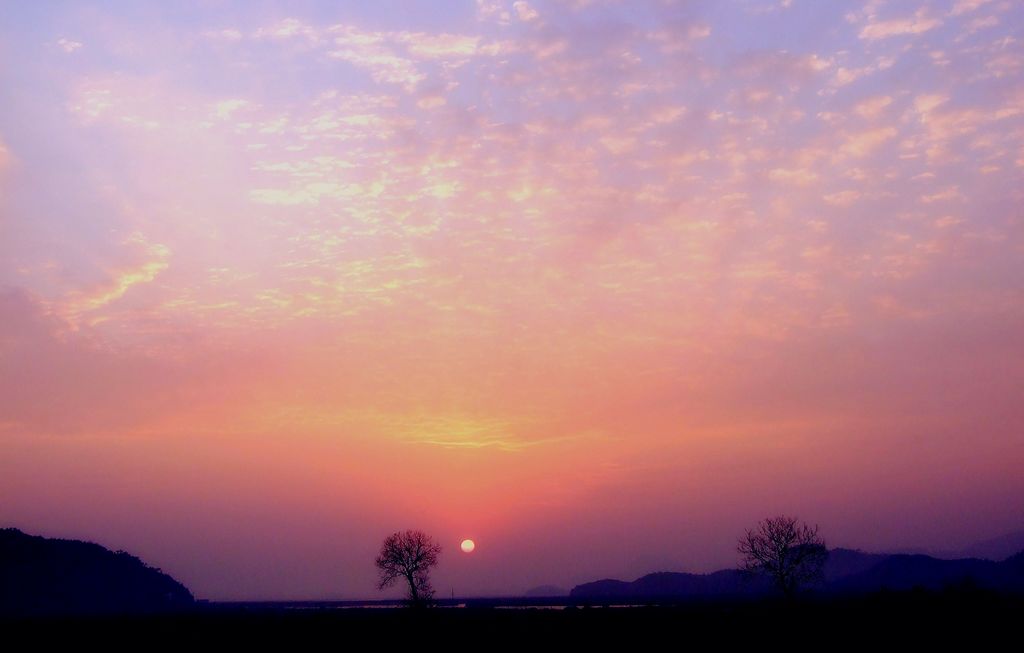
pixel 40 575
pixel 847 571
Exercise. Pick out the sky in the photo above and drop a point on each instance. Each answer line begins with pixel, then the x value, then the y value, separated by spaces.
pixel 597 284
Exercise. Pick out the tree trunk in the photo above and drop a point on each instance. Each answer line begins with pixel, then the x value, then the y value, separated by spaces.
pixel 413 594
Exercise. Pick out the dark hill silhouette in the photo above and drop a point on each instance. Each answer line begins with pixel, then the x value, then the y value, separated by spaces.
pixel 665 584
pixel 997 548
pixel 905 572
pixel 52 576
pixel 1012 572
pixel 847 562
pixel 846 572
pixel 724 583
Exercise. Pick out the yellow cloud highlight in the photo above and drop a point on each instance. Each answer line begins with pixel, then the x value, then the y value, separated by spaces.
pixel 122 280
pixel 287 29
pixel 225 108
pixel 918 24
pixel 439 46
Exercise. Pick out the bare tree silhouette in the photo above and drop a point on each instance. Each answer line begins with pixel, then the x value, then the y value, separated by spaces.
pixel 790 554
pixel 409 555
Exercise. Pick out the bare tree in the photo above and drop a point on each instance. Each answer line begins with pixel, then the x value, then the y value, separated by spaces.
pixel 790 554
pixel 409 555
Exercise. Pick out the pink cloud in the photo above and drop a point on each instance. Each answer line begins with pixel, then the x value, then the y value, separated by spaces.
pixel 524 11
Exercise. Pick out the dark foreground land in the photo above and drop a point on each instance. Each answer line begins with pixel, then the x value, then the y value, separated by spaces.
pixel 963 618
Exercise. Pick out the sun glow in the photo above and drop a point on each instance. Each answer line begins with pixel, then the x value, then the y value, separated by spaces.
pixel 468 546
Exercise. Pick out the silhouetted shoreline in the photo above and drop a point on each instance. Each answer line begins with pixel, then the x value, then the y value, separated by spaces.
pixel 61 578
pixel 960 611
pixel 970 616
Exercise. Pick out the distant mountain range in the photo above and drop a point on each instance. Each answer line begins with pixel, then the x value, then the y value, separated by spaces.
pixel 846 572
pixel 50 576
pixel 546 591
pixel 998 548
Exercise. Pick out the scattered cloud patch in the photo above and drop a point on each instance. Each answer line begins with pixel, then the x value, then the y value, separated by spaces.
pixel 918 24
pixel 524 11
pixel 68 45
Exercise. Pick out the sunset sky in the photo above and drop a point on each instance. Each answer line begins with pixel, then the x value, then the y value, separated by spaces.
pixel 597 284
